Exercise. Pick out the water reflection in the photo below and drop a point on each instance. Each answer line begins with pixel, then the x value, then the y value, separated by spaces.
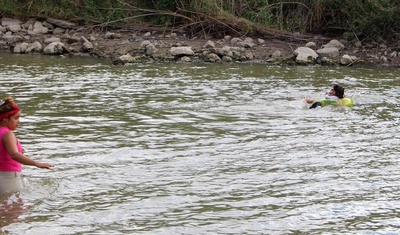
pixel 11 209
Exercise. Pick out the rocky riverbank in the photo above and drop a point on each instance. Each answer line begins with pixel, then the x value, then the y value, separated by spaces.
pixel 58 37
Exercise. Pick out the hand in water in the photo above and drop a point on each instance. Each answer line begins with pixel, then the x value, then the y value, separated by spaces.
pixel 44 165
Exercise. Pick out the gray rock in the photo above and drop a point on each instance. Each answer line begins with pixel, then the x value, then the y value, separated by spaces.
pixel 172 35
pixel 151 49
pixel 327 61
pixel 227 59
pixel 212 57
pixel 4 45
pixel 227 38
pixel 181 51
pixel 87 45
pixel 52 39
pixel 248 39
pixel 15 28
pixel 55 48
pixel 48 25
pixel 110 35
pixel 185 59
pixel 38 28
pixel 225 51
pixel 11 39
pixel 334 44
pixel 61 23
pixel 34 47
pixel 27 47
pixel 9 21
pixel 346 60
pixel 209 44
pixel 28 25
pixel 127 58
pixel 330 52
pixel 58 30
pixel 236 42
pixel 276 54
pixel 71 39
pixel 144 44
pixel 20 47
pixel 248 55
pixel 305 55
pixel 247 43
pixel 311 45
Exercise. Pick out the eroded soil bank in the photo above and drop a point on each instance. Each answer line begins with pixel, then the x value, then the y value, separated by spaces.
pixel 150 44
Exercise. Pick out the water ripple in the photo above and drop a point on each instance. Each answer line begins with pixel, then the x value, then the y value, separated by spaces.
pixel 183 149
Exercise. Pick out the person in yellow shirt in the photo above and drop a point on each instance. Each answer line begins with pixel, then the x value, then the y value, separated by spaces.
pixel 333 97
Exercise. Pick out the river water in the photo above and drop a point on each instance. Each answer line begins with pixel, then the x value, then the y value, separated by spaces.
pixel 202 149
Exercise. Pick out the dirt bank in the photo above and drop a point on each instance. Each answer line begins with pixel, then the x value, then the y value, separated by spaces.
pixel 366 54
pixel 274 48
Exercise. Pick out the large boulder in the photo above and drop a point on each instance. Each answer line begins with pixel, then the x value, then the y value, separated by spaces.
pixel 20 47
pixel 8 21
pixel 25 47
pixel 334 44
pixel 35 47
pixel 305 55
pixel 55 48
pixel 38 28
pixel 331 49
pixel 330 52
pixel 182 51
pixel 15 28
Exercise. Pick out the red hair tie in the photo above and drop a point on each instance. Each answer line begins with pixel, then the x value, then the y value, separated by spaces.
pixel 10 113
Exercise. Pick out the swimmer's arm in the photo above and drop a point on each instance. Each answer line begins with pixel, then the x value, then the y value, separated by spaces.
pixel 332 97
pixel 308 100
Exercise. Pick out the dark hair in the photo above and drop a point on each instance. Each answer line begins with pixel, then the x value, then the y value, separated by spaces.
pixel 6 105
pixel 339 90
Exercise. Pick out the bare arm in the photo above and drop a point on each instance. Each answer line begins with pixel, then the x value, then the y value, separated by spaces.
pixel 308 100
pixel 10 142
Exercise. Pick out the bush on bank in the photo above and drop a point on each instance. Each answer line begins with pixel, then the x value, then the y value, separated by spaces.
pixel 371 19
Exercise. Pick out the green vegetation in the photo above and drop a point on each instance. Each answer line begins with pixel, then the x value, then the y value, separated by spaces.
pixel 365 18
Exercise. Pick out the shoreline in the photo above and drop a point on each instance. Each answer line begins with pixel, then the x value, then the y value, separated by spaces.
pixel 59 37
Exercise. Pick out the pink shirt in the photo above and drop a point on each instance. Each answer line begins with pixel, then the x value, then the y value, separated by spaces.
pixel 6 162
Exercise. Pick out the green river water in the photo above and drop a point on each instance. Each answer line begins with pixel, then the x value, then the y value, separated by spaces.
pixel 202 149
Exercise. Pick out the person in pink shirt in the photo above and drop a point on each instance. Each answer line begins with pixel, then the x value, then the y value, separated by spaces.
pixel 11 152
